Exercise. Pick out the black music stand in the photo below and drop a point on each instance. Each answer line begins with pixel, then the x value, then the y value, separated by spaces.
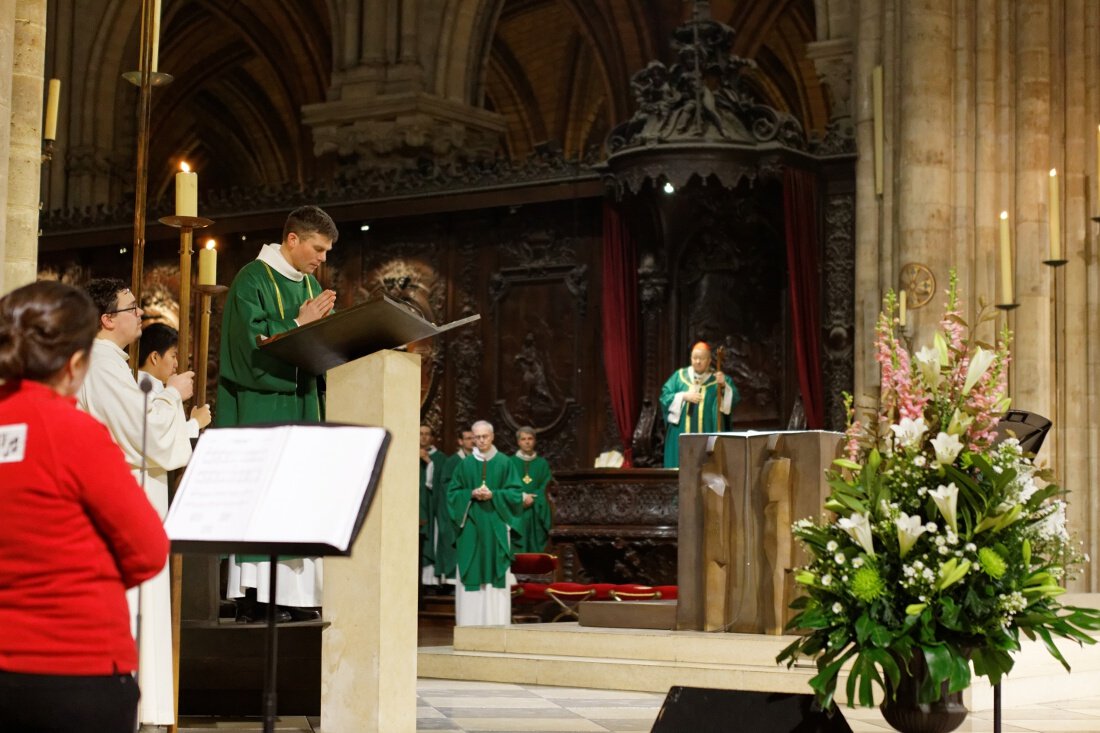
pixel 1031 430
pixel 201 513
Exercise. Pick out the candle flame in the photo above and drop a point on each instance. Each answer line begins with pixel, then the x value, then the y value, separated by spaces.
pixel 184 167
pixel 1004 214
pixel 1053 172
pixel 210 244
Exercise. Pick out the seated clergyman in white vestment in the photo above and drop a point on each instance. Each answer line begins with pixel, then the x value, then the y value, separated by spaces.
pixel 111 395
pixel 485 498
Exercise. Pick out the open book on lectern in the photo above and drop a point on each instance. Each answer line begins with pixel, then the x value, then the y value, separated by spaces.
pixel 277 490
pixel 346 335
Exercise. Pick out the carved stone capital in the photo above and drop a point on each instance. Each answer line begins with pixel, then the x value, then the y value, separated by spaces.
pixel 395 131
pixel 833 60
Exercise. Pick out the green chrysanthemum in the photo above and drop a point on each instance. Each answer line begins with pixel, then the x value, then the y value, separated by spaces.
pixel 992 563
pixel 867 584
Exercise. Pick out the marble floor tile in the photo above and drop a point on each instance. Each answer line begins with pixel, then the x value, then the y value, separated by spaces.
pixel 485 707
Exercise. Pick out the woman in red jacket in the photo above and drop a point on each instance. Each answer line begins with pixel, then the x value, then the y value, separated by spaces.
pixel 75 529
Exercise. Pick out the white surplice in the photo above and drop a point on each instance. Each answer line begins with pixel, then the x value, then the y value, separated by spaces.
pixel 111 395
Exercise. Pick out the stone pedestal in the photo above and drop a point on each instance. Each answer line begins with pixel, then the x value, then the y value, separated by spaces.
pixel 368 655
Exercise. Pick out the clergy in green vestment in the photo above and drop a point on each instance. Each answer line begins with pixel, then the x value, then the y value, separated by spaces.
pixel 465 447
pixel 533 527
pixel 270 295
pixel 485 500
pixel 690 402
pixel 437 539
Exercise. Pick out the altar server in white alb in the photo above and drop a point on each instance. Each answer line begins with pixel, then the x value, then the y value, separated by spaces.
pixel 110 393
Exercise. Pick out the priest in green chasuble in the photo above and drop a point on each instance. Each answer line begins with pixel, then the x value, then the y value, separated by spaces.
pixel 691 403
pixel 437 539
pixel 270 295
pixel 485 500
pixel 533 527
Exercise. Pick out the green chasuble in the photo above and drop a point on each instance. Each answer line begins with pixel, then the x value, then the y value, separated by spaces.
pixel 449 467
pixel 428 498
pixel 533 527
pixel 701 418
pixel 484 550
pixel 254 388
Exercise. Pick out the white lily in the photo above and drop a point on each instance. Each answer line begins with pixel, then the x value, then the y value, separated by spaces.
pixel 947 500
pixel 979 363
pixel 960 423
pixel 858 527
pixel 909 432
pixel 909 529
pixel 947 448
pixel 928 361
pixel 941 346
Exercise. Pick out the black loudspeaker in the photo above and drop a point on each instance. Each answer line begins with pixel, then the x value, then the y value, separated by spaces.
pixel 1029 428
pixel 702 710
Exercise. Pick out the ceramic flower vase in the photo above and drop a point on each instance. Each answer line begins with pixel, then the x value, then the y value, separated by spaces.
pixel 904 713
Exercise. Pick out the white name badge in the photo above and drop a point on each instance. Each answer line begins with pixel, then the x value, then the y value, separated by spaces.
pixel 13 443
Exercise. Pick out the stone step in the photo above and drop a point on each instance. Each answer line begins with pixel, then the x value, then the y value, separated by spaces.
pixel 569 655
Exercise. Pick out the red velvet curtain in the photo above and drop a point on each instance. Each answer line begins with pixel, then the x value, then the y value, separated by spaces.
pixel 800 223
pixel 620 324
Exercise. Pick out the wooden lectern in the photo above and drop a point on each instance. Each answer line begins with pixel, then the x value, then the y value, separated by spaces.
pixel 368 650
pixel 739 494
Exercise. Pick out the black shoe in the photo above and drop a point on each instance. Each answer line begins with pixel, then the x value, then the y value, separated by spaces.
pixel 297 613
pixel 257 613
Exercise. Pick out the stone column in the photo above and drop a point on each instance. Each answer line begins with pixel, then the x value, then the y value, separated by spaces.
pixel 388 106
pixel 7 45
pixel 1036 145
pixel 925 126
pixel 872 240
pixel 24 146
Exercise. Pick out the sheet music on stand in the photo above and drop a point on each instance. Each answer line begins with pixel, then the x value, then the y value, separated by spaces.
pixel 301 489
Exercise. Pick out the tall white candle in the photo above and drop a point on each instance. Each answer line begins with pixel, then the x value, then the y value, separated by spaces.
pixel 1007 296
pixel 1055 217
pixel 879 122
pixel 208 264
pixel 52 99
pixel 902 296
pixel 187 191
pixel 156 36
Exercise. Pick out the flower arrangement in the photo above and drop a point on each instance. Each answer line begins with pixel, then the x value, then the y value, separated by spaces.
pixel 945 542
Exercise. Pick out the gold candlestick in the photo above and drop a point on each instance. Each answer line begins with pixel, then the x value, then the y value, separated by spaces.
pixel 202 351
pixel 187 225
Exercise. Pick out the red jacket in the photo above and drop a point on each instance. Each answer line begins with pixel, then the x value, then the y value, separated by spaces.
pixel 75 532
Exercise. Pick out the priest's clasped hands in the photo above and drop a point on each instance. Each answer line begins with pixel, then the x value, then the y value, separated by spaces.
pixel 482 493
pixel 317 308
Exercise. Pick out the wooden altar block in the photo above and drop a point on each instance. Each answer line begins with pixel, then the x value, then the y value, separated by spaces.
pixel 368 652
pixel 770 480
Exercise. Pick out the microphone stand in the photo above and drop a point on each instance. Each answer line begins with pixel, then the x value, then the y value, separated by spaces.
pixel 146 386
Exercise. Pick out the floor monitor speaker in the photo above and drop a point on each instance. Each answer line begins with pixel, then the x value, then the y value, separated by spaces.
pixel 702 710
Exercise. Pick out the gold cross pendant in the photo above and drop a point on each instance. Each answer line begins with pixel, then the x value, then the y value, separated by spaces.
pixel 527 479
